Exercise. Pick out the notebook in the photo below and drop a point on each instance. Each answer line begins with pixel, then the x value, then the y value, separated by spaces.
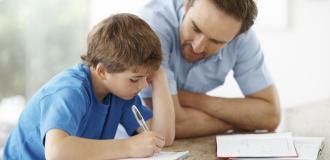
pixel 256 145
pixel 308 148
pixel 165 156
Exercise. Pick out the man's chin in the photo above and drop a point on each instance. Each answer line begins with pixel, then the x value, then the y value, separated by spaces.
pixel 191 59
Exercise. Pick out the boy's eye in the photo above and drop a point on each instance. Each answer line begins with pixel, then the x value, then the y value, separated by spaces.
pixel 134 80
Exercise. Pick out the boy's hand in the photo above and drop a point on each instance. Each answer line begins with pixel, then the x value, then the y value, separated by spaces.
pixel 145 144
pixel 158 75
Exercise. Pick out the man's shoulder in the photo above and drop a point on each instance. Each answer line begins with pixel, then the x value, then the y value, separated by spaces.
pixel 157 4
pixel 245 42
pixel 161 11
pixel 248 36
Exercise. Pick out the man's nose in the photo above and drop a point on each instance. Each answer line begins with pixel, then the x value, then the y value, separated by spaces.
pixel 199 43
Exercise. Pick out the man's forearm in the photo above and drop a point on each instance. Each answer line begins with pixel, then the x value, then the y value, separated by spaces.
pixel 195 123
pixel 244 113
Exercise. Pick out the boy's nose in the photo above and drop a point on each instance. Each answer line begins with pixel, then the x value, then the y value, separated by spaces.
pixel 199 43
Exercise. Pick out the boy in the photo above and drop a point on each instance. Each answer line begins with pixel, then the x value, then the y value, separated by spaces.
pixel 75 115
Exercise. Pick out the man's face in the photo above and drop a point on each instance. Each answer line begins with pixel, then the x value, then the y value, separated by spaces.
pixel 127 84
pixel 205 30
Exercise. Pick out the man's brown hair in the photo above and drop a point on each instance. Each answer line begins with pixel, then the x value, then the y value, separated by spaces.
pixel 244 10
pixel 122 41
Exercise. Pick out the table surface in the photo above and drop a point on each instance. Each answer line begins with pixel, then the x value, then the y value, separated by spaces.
pixel 202 148
pixel 308 120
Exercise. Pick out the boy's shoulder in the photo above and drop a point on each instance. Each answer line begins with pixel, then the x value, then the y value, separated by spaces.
pixel 77 77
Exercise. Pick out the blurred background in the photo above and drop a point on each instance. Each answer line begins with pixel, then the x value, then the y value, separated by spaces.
pixel 41 38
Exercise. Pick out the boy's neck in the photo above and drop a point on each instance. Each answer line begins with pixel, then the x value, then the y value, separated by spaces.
pixel 97 85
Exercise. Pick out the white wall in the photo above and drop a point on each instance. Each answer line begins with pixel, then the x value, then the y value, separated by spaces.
pixel 298 56
pixel 103 8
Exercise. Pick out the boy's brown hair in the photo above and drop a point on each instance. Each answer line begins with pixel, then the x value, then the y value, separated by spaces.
pixel 244 10
pixel 122 41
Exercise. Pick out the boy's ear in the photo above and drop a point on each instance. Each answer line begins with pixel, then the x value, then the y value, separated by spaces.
pixel 100 71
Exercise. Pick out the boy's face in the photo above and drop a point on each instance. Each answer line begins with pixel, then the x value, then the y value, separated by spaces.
pixel 127 84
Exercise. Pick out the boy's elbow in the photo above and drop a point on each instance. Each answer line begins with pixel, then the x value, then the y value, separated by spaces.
pixel 168 143
pixel 169 140
pixel 53 153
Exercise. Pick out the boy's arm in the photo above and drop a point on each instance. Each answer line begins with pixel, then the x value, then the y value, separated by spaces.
pixel 60 145
pixel 163 120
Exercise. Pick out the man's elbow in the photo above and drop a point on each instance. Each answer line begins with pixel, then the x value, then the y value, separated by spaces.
pixel 274 121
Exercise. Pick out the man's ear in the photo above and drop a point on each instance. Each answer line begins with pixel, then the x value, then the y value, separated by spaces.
pixel 100 71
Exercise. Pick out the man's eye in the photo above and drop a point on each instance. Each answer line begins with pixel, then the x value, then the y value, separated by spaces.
pixel 134 80
pixel 196 30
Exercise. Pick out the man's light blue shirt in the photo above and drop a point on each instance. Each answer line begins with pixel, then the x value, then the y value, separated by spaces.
pixel 243 55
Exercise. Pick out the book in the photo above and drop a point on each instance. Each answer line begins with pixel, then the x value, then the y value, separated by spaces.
pixel 308 148
pixel 165 156
pixel 256 145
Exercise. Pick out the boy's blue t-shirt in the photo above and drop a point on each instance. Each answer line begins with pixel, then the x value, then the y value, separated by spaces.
pixel 68 102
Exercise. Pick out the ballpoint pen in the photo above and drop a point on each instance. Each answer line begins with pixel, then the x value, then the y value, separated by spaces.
pixel 139 118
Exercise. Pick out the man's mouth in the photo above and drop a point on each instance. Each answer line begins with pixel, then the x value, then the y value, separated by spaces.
pixel 195 54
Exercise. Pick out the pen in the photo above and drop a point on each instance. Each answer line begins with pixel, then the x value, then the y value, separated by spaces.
pixel 139 118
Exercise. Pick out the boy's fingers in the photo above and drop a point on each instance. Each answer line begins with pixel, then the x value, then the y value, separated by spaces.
pixel 157 150
pixel 160 136
pixel 160 143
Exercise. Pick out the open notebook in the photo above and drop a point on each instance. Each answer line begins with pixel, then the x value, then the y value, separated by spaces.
pixel 256 145
pixel 308 148
pixel 165 156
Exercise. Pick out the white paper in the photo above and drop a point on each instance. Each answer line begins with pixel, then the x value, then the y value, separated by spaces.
pixel 165 156
pixel 308 148
pixel 256 145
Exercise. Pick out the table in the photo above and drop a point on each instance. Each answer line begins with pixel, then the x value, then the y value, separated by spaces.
pixel 202 148
pixel 305 120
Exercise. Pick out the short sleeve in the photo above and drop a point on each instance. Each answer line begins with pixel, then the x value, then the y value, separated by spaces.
pixel 62 110
pixel 250 70
pixel 128 120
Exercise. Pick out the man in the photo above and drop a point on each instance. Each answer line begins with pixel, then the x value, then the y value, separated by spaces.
pixel 202 40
